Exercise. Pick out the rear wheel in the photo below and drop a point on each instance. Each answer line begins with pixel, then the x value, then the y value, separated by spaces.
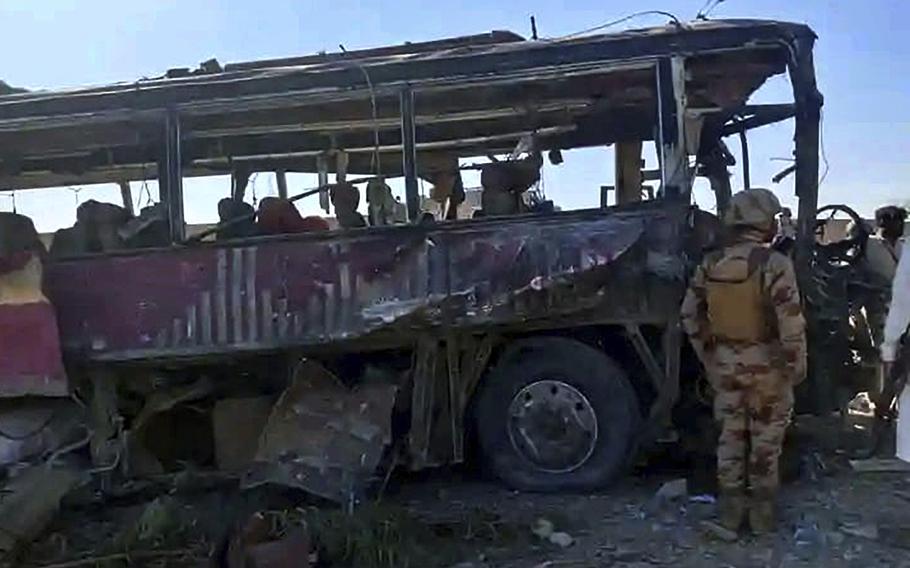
pixel 556 415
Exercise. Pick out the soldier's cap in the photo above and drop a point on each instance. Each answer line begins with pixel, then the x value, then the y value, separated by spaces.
pixel 754 207
pixel 890 212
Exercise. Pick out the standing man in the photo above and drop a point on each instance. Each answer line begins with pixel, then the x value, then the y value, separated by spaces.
pixel 896 327
pixel 743 316
pixel 883 251
pixel 898 318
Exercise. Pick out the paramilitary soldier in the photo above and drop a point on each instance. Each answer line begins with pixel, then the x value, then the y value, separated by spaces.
pixel 743 315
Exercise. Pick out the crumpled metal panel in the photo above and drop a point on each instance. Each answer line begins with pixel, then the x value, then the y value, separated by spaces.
pixel 324 437
pixel 401 281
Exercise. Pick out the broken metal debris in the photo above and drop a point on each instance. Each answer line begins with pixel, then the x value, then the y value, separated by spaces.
pixel 32 426
pixel 238 423
pixel 674 490
pixel 877 465
pixel 323 436
pixel 30 501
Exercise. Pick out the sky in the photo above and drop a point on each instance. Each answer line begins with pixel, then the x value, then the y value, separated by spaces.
pixel 862 60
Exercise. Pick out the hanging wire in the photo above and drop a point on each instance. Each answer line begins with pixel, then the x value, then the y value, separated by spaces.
pixel 376 164
pixel 821 140
pixel 612 23
pixel 75 191
pixel 144 190
pixel 710 6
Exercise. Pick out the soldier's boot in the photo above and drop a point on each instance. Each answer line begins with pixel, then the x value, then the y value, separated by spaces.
pixel 731 509
pixel 762 512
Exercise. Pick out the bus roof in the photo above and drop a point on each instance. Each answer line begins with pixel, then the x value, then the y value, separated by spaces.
pixel 474 95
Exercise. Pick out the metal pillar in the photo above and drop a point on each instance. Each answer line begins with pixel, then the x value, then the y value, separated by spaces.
pixel 627 172
pixel 240 179
pixel 322 168
pixel 170 178
pixel 822 369
pixel 671 138
pixel 806 136
pixel 716 171
pixel 744 145
pixel 281 178
pixel 126 196
pixel 409 154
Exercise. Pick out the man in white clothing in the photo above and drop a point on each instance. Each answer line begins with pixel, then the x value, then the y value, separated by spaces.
pixel 895 327
pixel 899 313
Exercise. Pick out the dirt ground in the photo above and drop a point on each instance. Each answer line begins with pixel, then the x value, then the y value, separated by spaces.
pixel 831 516
pixel 839 520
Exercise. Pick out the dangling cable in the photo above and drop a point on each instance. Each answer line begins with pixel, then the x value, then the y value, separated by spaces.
pixel 821 145
pixel 144 190
pixel 375 164
pixel 75 191
pixel 710 6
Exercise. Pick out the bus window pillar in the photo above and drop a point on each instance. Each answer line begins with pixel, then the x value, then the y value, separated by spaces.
pixel 170 178
pixel 281 179
pixel 671 132
pixel 628 174
pixel 806 137
pixel 409 154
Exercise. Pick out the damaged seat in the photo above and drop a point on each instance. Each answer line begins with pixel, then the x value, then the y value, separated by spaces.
pixel 97 229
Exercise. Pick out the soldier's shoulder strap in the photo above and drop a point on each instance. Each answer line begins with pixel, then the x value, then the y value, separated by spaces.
pixel 759 257
pixel 713 257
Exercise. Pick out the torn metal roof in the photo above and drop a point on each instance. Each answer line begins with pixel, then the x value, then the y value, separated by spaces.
pixel 474 95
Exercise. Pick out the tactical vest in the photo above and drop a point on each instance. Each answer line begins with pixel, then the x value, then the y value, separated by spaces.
pixel 737 308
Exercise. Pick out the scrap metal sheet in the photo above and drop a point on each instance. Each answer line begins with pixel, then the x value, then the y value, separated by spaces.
pixel 324 437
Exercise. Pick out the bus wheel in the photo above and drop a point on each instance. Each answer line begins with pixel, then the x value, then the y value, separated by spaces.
pixel 556 415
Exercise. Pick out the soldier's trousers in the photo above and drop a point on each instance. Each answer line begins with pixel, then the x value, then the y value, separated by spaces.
pixel 753 404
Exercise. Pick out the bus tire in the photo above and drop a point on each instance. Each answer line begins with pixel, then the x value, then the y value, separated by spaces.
pixel 556 415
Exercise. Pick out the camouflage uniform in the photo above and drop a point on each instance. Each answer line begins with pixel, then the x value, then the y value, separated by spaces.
pixel 753 379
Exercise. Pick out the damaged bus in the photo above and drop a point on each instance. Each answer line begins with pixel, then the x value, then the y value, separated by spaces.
pixel 318 352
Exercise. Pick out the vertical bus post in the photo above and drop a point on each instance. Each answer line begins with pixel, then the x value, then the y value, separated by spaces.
pixel 409 153
pixel 126 196
pixel 806 137
pixel 808 103
pixel 744 146
pixel 281 178
pixel 170 177
pixel 671 138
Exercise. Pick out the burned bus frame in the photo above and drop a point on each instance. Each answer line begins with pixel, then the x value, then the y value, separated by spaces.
pixel 460 296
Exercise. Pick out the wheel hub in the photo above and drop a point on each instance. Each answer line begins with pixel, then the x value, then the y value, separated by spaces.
pixel 553 426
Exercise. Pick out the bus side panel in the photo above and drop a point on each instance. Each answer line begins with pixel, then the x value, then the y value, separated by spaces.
pixel 317 289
